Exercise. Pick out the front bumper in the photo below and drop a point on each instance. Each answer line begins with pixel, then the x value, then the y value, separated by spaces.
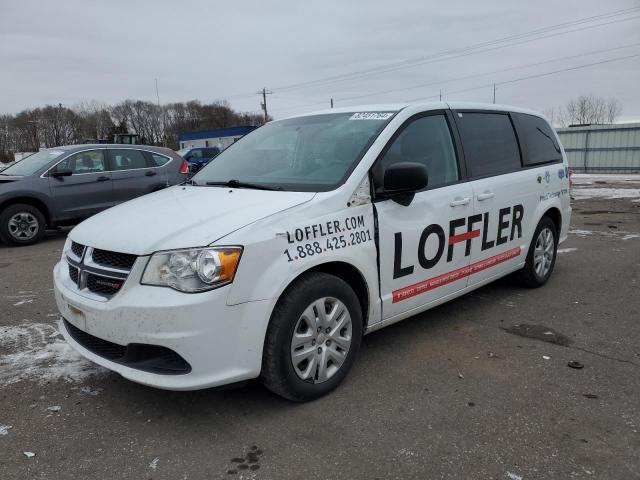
pixel 221 343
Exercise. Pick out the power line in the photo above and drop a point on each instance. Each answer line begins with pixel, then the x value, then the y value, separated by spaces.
pixel 469 50
pixel 520 79
pixel 502 70
pixel 465 51
pixel 528 77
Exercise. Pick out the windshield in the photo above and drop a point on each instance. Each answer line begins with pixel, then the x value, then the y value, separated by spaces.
pixel 313 153
pixel 32 163
pixel 183 151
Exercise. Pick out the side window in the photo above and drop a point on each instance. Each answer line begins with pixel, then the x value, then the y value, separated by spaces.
pixel 489 142
pixel 210 152
pixel 127 159
pixel 91 161
pixel 538 140
pixel 159 160
pixel 426 140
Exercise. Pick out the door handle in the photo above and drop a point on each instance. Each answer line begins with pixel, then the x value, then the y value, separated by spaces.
pixel 459 202
pixel 485 196
pixel 102 179
pixel 150 173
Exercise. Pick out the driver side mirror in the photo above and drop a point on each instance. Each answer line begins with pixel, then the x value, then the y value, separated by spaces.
pixel 61 173
pixel 402 180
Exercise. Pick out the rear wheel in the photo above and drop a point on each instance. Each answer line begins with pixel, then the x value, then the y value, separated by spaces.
pixel 313 337
pixel 21 224
pixel 541 257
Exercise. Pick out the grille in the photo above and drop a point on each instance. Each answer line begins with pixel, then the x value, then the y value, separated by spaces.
pixel 77 249
pixel 122 261
pixel 103 285
pixel 149 358
pixel 73 273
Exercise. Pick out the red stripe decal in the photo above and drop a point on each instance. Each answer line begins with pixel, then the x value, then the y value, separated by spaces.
pixel 463 236
pixel 445 278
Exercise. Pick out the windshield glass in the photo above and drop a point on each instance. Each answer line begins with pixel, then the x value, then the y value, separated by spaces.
pixel 312 153
pixel 32 163
pixel 183 151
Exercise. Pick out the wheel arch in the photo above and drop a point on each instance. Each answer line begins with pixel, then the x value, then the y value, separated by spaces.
pixel 554 214
pixel 33 201
pixel 348 273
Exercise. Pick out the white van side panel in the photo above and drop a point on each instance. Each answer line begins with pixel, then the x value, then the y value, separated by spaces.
pixel 281 251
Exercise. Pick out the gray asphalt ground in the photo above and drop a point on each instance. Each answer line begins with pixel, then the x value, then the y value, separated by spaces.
pixel 479 388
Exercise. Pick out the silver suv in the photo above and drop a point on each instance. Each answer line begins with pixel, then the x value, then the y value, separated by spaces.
pixel 64 185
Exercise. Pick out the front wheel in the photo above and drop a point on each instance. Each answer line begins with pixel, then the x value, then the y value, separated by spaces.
pixel 21 224
pixel 313 337
pixel 541 257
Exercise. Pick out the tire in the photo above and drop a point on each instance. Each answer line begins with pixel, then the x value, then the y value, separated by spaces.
pixel 21 224
pixel 537 270
pixel 312 368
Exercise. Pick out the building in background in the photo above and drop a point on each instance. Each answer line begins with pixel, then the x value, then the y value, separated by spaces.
pixel 602 148
pixel 221 137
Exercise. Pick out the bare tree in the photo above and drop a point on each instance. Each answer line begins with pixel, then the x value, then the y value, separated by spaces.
pixel 585 110
pixel 52 126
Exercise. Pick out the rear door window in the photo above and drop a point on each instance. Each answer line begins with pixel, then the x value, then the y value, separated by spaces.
pixel 127 159
pixel 489 142
pixel 538 140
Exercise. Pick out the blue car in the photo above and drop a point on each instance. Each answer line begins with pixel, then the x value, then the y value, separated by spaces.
pixel 198 157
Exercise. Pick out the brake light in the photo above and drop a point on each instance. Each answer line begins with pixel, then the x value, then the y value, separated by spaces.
pixel 184 168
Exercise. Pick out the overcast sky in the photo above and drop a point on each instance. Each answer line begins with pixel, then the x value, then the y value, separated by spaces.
pixel 78 50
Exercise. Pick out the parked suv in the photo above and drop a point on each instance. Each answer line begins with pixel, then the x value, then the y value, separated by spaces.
pixel 198 157
pixel 64 185
pixel 310 232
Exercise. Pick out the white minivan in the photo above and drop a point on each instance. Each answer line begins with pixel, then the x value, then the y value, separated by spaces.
pixel 311 231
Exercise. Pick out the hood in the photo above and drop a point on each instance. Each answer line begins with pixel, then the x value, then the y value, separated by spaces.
pixel 181 217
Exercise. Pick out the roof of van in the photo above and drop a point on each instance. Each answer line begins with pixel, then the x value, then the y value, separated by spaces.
pixel 395 107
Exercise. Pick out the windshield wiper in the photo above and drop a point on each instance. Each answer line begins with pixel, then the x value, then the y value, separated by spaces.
pixel 233 183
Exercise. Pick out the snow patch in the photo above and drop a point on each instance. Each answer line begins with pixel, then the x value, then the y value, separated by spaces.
pixel 37 352
pixel 619 234
pixel 606 193
pixel 566 250
pixel 4 429
pixel 513 476
pixel 630 236
pixel 589 178
pixel 154 463
pixel 22 302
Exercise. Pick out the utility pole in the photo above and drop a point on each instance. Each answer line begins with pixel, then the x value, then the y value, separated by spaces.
pixel 264 92
pixel 440 94
pixel 494 92
pixel 332 102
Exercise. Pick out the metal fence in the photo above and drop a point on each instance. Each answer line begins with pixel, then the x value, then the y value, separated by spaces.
pixel 602 148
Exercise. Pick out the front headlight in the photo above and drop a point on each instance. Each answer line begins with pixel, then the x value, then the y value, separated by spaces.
pixel 194 269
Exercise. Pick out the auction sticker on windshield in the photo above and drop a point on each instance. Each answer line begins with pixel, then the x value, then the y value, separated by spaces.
pixel 371 116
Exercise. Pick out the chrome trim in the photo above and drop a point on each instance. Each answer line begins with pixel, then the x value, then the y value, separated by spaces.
pixel 90 262
pixel 46 173
pixel 85 266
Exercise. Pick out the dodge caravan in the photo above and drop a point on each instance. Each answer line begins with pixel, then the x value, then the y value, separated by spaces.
pixel 310 232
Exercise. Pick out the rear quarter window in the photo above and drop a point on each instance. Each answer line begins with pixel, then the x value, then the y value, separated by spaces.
pixel 539 143
pixel 489 142
pixel 158 160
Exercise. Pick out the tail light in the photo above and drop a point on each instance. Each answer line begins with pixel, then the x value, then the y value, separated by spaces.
pixel 184 168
